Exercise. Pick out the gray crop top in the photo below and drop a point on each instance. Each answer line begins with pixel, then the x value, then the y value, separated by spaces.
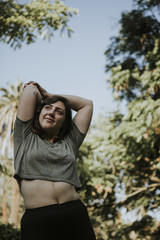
pixel 35 158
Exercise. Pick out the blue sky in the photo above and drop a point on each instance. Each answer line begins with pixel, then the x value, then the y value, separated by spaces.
pixel 73 65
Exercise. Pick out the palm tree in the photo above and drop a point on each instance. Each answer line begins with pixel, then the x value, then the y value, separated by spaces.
pixel 8 108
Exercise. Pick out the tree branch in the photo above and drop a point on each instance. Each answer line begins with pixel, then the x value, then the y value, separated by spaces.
pixel 150 187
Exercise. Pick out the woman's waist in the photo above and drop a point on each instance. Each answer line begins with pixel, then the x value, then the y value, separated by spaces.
pixel 37 193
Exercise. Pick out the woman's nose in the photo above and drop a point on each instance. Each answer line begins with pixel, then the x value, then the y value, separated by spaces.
pixel 52 112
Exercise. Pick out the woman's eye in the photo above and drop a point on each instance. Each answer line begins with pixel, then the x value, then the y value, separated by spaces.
pixel 47 107
pixel 59 112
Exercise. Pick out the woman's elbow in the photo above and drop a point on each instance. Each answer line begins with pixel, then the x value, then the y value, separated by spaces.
pixel 90 103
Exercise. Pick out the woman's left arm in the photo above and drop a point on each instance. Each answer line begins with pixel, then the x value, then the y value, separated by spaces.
pixel 84 109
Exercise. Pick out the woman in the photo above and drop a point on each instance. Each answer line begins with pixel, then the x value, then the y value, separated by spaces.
pixel 46 141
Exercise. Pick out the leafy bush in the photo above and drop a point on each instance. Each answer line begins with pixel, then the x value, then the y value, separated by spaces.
pixel 8 232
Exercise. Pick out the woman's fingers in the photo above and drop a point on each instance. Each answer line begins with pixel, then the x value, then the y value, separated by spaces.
pixel 30 82
pixel 42 91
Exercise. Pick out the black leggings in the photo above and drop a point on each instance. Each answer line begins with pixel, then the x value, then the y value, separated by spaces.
pixel 66 221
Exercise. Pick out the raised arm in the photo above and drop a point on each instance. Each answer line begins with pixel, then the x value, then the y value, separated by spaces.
pixel 28 101
pixel 84 109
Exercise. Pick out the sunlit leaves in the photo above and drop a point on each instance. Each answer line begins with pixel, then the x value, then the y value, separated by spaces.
pixel 25 22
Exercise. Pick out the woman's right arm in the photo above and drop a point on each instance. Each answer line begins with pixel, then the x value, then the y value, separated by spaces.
pixel 28 102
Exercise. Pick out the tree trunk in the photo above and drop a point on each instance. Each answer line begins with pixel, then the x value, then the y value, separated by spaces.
pixel 4 217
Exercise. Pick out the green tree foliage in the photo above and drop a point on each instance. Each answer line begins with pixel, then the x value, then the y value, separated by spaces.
pixel 131 141
pixel 135 50
pixel 24 22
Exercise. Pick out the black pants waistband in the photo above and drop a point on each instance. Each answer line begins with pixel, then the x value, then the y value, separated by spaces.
pixel 53 205
pixel 68 220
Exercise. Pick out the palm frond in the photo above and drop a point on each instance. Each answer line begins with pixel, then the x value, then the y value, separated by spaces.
pixel 8 108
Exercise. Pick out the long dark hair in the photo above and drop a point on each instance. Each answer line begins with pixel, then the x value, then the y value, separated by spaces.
pixel 67 125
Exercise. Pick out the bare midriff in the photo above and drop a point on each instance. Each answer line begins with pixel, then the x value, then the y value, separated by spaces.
pixel 38 193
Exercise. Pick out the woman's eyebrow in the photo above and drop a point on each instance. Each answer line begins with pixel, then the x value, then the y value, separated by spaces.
pixel 60 108
pixel 56 107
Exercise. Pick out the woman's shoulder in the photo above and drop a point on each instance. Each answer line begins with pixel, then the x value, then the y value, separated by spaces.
pixel 22 128
pixel 75 135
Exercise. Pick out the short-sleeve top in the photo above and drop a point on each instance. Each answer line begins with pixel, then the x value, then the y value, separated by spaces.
pixel 36 158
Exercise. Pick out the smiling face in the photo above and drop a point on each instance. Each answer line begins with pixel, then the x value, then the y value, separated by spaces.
pixel 52 117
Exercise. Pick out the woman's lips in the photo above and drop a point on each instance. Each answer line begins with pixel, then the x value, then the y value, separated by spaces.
pixel 49 119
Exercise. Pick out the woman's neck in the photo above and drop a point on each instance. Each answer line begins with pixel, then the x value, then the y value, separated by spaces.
pixel 52 139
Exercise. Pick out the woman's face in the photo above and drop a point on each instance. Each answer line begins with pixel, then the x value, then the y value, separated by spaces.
pixel 52 117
